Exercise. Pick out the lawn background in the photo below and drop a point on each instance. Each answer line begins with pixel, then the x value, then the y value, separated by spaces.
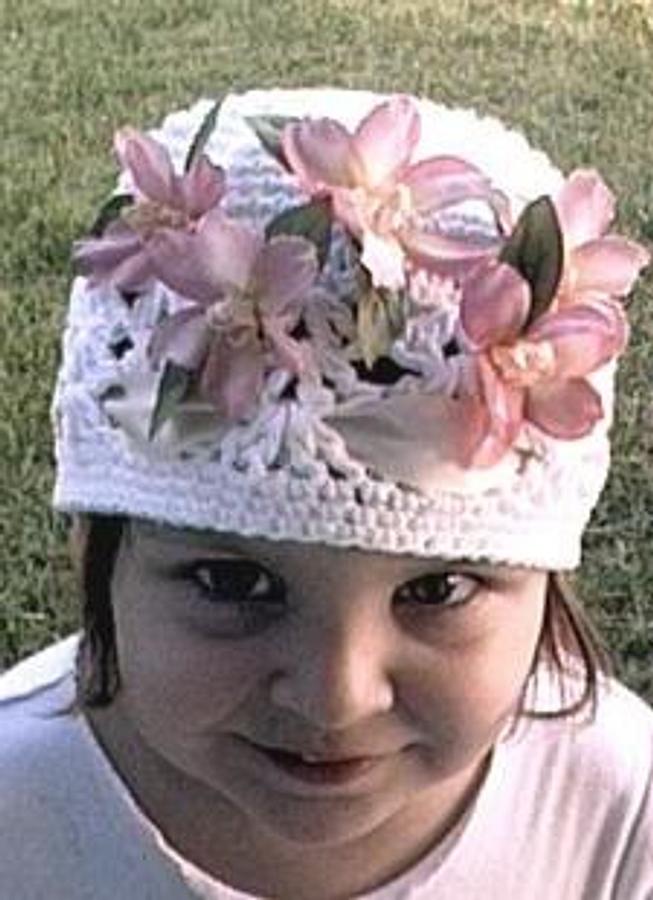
pixel 574 76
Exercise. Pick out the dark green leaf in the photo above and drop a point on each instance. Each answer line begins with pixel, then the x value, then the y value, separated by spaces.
pixel 311 221
pixel 109 212
pixel 203 134
pixel 173 388
pixel 535 250
pixel 268 130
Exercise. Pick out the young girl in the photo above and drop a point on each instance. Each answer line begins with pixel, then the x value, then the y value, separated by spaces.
pixel 331 418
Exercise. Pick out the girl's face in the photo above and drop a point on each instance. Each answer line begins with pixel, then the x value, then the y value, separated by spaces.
pixel 320 692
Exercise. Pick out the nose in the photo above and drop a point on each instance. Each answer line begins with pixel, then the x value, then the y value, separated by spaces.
pixel 336 676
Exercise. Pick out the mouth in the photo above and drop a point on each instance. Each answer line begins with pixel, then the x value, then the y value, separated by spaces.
pixel 319 770
pixel 333 771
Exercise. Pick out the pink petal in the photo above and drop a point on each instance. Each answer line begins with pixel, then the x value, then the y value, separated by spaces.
pixel 447 256
pixel 504 406
pixel 386 138
pixel 119 257
pixel 585 207
pixel 479 446
pixel 608 265
pixel 495 305
pixel 348 210
pixel 284 271
pixel 289 353
pixel 473 436
pixel 583 336
pixel 322 153
pixel 233 376
pixel 148 163
pixel 232 246
pixel 100 256
pixel 564 409
pixel 201 188
pixel 182 338
pixel 205 264
pixel 134 273
pixel 180 261
pixel 444 181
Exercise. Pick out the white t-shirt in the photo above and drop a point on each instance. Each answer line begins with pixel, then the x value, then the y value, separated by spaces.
pixel 565 812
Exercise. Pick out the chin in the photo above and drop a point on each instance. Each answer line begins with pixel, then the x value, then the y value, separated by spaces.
pixel 320 823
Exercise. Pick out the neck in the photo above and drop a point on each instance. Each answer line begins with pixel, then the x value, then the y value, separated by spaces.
pixel 206 829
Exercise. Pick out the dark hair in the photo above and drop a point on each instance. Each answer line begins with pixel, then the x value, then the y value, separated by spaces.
pixel 568 643
pixel 95 541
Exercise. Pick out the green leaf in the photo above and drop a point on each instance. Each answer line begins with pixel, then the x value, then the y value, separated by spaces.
pixel 535 250
pixel 203 134
pixel 268 130
pixel 380 319
pixel 109 212
pixel 173 388
pixel 311 221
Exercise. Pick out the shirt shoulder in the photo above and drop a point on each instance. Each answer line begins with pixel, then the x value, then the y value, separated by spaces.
pixel 69 829
pixel 621 754
pixel 39 760
pixel 617 735
pixel 37 724
pixel 38 671
pixel 582 789
pixel 34 697
pixel 618 742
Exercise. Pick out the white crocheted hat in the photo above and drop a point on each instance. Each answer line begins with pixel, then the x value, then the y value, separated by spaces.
pixel 380 411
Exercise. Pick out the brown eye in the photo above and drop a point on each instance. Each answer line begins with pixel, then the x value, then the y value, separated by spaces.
pixel 228 598
pixel 236 581
pixel 441 589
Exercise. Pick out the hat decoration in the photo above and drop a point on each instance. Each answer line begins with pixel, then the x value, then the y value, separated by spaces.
pixel 514 316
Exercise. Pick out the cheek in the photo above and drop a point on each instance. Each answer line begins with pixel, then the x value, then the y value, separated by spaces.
pixel 173 676
pixel 467 690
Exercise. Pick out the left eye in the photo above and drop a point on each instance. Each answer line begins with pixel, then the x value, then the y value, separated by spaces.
pixel 442 589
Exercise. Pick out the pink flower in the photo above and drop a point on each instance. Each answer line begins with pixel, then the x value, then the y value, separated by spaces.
pixel 163 200
pixel 379 195
pixel 248 298
pixel 533 371
pixel 596 264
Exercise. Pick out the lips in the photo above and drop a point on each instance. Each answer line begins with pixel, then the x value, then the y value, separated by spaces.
pixel 317 768
pixel 321 771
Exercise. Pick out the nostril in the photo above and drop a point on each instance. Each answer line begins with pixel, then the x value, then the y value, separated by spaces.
pixel 334 701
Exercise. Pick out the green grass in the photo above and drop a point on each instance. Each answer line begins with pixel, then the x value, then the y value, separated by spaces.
pixel 575 76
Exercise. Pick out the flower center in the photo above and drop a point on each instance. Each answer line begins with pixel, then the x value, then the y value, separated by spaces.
pixel 147 216
pixel 524 363
pixel 236 314
pixel 385 212
pixel 219 315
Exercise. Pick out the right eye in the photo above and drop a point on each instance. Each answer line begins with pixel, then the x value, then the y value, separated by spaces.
pixel 238 594
pixel 234 581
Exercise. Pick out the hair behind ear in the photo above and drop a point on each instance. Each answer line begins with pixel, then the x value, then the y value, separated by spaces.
pixel 573 650
pixel 95 543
